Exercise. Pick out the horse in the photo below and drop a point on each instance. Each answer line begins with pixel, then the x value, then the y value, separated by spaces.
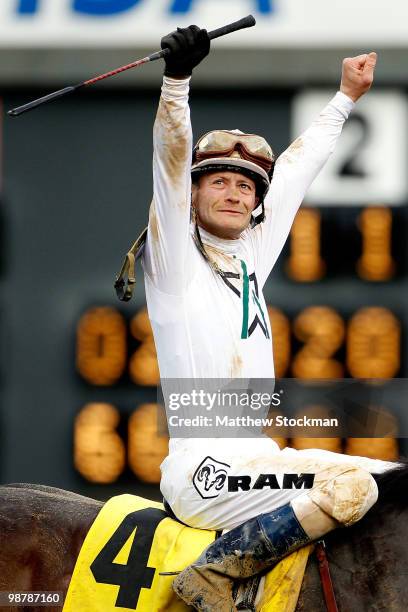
pixel 42 529
pixel 368 561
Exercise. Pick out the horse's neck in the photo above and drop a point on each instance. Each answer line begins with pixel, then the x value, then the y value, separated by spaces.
pixel 368 564
pixel 370 559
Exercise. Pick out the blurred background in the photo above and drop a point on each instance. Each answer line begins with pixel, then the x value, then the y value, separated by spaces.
pixel 78 370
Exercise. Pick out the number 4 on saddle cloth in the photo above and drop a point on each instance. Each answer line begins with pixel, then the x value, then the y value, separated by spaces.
pixel 133 541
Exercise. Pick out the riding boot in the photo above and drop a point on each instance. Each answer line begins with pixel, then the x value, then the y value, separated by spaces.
pixel 247 550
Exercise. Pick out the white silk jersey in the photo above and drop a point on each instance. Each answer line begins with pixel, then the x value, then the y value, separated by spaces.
pixel 208 326
pixel 204 325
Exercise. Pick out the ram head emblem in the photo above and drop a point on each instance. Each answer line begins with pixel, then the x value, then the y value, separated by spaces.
pixel 210 476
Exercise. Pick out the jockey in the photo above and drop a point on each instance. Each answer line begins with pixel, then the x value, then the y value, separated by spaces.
pixel 216 227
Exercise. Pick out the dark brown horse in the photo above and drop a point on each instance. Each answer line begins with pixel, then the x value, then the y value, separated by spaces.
pixel 42 530
pixel 369 561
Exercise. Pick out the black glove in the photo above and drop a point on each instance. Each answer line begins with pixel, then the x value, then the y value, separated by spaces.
pixel 188 47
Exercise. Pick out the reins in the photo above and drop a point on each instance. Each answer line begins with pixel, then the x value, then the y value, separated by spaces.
pixel 325 577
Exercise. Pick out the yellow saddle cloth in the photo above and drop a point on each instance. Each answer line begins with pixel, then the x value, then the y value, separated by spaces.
pixel 132 541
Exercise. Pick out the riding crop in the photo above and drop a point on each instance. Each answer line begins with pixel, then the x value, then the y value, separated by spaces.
pixel 245 22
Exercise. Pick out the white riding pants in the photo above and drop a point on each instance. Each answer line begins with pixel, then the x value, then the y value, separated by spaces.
pixel 223 483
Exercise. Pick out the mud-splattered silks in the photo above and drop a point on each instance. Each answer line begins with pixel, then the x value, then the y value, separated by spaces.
pixel 201 329
pixel 206 325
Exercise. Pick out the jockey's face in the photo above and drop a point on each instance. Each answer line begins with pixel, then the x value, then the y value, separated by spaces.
pixel 223 202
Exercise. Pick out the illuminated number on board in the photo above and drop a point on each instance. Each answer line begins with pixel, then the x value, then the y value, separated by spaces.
pixel 322 331
pixel 376 263
pixel 135 575
pixel 143 366
pixel 99 452
pixel 373 343
pixel 101 346
pixel 148 442
pixel 280 326
pixel 305 263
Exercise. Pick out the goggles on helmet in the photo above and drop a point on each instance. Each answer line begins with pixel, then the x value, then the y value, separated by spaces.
pixel 224 143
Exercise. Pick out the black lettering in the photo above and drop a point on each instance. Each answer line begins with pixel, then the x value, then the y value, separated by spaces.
pixel 239 482
pixel 266 480
pixel 297 481
pixel 136 574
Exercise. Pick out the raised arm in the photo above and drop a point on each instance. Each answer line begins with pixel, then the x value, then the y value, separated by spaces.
pixel 299 165
pixel 165 257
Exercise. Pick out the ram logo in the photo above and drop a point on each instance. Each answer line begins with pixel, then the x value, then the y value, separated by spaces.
pixel 210 477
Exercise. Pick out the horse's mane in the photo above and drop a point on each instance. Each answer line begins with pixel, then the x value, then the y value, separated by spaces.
pixel 393 485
